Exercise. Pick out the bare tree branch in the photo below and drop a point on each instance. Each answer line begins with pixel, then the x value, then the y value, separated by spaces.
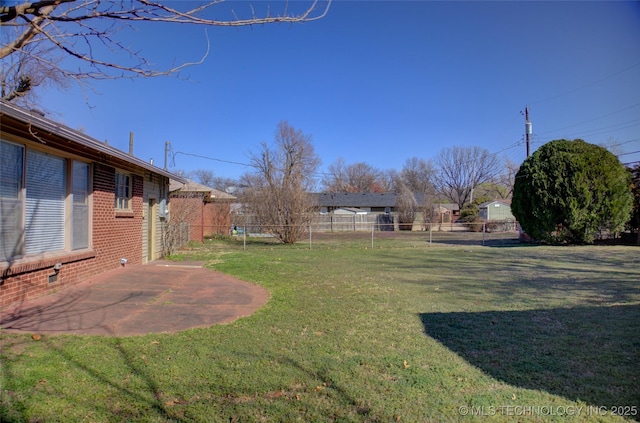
pixel 356 177
pixel 76 27
pixel 277 191
pixel 20 73
pixel 462 169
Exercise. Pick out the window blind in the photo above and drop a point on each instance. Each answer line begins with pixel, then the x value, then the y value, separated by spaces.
pixel 45 203
pixel 11 165
pixel 80 212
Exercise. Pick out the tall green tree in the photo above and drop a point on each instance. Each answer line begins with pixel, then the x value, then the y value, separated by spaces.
pixel 634 222
pixel 571 191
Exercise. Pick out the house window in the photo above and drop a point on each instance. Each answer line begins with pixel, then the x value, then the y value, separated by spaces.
pixel 123 191
pixel 35 203
pixel 80 205
pixel 387 210
pixel 324 210
pixel 45 203
pixel 11 204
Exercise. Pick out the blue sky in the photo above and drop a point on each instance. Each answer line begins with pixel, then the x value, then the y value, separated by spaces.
pixel 378 82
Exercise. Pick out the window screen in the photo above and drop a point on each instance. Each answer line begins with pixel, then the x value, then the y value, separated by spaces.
pixel 11 171
pixel 80 208
pixel 123 191
pixel 45 203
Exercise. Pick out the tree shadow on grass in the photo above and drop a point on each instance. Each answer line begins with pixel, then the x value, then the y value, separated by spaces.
pixel 591 354
pixel 69 313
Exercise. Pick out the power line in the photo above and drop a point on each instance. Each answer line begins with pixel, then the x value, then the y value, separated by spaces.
pixel 586 85
pixel 592 119
pixel 624 142
pixel 604 129
pixel 212 158
pixel 626 154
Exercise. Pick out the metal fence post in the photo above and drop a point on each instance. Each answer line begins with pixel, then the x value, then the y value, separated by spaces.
pixel 484 226
pixel 372 226
pixel 309 235
pixel 244 238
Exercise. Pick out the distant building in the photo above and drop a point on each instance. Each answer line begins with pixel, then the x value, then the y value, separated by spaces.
pixel 496 210
pixel 203 211
pixel 360 210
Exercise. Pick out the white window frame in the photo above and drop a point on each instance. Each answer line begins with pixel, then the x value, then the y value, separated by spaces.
pixel 123 190
pixel 80 205
pixel 45 205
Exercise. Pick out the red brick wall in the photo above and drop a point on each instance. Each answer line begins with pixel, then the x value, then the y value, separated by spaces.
pixel 205 219
pixel 217 218
pixel 187 207
pixel 115 235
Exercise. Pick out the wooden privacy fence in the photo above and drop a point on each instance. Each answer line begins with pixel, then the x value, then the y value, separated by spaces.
pixel 354 222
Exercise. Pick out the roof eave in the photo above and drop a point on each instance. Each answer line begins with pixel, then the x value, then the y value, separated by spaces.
pixel 52 127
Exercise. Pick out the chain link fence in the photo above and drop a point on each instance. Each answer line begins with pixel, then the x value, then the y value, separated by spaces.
pixel 365 232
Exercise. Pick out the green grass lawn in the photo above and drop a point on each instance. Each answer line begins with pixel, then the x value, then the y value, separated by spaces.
pixel 421 334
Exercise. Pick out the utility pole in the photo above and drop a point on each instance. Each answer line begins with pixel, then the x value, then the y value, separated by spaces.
pixel 528 129
pixel 166 154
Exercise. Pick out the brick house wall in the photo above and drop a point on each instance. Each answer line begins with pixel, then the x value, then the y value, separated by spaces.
pixel 187 208
pixel 205 218
pixel 115 235
pixel 216 218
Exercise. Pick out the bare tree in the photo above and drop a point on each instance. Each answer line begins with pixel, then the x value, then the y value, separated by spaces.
pixel 462 169
pixel 501 187
pixel 21 72
pixel 356 177
pixel 176 232
pixel 415 191
pixel 419 176
pixel 225 184
pixel 90 32
pixel 203 176
pixel 277 192
pixel 406 205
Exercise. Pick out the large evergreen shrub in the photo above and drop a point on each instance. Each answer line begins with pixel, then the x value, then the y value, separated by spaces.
pixel 571 191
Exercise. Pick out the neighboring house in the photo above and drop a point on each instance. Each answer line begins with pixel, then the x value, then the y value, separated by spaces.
pixel 349 211
pixel 356 211
pixel 365 202
pixel 380 203
pixel 204 210
pixel 447 212
pixel 496 210
pixel 382 209
pixel 70 206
